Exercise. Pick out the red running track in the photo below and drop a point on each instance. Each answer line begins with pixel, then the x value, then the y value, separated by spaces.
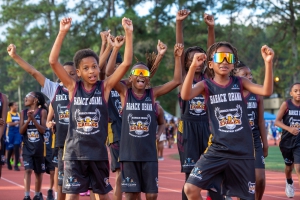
pixel 170 182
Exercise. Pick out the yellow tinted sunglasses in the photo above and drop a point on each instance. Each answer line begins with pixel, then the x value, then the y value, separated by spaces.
pixel 138 72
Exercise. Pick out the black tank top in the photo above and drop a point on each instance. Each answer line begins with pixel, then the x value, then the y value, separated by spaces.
pixel 114 111
pixel 194 109
pixel 87 131
pixel 291 118
pixel 252 108
pixel 138 138
pixel 61 112
pixel 229 124
pixel 33 140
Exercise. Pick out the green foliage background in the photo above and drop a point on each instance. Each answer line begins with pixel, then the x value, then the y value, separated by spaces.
pixel 33 25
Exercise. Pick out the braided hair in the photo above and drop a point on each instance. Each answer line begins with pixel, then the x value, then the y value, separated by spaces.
pixel 41 100
pixel 239 65
pixel 187 53
pixel 212 49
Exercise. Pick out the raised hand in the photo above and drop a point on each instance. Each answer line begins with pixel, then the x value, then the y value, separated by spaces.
pixel 104 35
pixel 209 20
pixel 30 114
pixel 198 59
pixel 119 41
pixel 182 14
pixel 267 53
pixel 111 40
pixel 127 24
pixel 65 24
pixel 178 49
pixel 11 50
pixel 161 48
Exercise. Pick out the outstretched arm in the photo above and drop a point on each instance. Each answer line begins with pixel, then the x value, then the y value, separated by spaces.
pixel 115 78
pixel 177 79
pixel 103 57
pixel 261 126
pixel 68 82
pixel 110 67
pixel 210 22
pixel 267 88
pixel 187 91
pixel 102 61
pixel 11 50
pixel 161 50
pixel 180 16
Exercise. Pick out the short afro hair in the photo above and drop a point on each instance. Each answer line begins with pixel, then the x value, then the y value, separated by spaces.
pixel 84 53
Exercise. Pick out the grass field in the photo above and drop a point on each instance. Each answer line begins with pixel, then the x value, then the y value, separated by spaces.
pixel 274 161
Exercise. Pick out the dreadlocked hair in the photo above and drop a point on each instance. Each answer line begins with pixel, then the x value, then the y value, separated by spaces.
pixel 187 53
pixel 41 100
pixel 151 57
pixel 212 49
pixel 238 66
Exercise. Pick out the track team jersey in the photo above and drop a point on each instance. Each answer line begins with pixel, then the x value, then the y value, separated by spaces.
pixel 194 108
pixel 87 131
pixel 60 103
pixel 138 138
pixel 231 133
pixel 13 117
pixel 114 111
pixel 33 140
pixel 252 108
pixel 291 118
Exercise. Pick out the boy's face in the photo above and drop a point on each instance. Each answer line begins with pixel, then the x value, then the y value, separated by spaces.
pixel 223 68
pixel 295 92
pixel 139 82
pixel 244 72
pixel 71 70
pixel 88 70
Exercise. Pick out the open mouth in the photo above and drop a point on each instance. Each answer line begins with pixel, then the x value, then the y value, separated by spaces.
pixel 92 78
pixel 140 82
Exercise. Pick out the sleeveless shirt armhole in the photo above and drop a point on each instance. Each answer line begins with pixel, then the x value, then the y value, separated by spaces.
pixel 242 88
pixel 56 91
pixel 126 97
pixel 74 92
pixel 102 93
pixel 206 92
pixel 156 110
pixel 151 92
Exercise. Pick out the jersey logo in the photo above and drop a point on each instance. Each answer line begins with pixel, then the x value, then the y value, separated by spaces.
pixel 118 105
pixel 63 114
pixel 87 121
pixel 106 181
pixel 97 91
pixel 148 99
pixel 294 123
pixel 252 98
pixel 229 118
pixel 251 119
pixel 72 182
pixel 33 135
pixel 138 125
pixel 235 87
pixel 197 106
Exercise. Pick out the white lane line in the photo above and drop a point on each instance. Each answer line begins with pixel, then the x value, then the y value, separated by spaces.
pixel 21 186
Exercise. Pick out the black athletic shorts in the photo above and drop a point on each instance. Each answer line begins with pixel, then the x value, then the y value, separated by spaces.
pixel 60 166
pixel 2 151
pixel 55 156
pixel 139 177
pixel 259 154
pixel 36 163
pixel 290 156
pixel 230 177
pixel 192 140
pixel 49 166
pixel 80 175
pixel 114 154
